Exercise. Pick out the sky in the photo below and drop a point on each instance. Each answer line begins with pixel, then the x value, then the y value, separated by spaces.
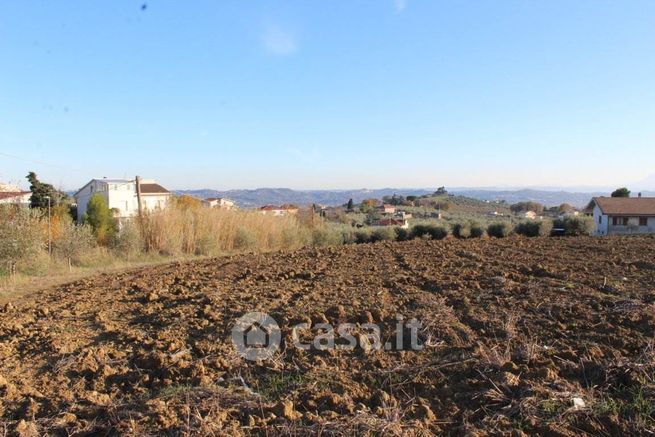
pixel 328 94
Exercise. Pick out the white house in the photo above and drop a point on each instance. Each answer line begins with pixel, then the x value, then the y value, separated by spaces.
pixel 279 210
pixel 529 215
pixel 623 215
pixel 121 196
pixel 218 202
pixel 14 195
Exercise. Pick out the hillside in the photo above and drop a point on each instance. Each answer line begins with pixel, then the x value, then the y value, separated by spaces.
pixel 278 196
pixel 546 336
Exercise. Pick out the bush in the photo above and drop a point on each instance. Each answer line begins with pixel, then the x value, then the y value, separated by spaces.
pixel 244 239
pixel 534 228
pixel 20 236
pixel 327 236
pixel 468 229
pixel 477 230
pixel 73 243
pixel 128 242
pixel 101 219
pixel 576 225
pixel 433 231
pixel 462 230
pixel 386 233
pixel 499 229
pixel 403 234
pixel 363 235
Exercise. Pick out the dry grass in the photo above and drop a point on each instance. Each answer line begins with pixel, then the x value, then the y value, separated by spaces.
pixel 203 231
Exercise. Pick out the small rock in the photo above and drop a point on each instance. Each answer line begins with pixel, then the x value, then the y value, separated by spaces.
pixel 578 403
pixel 152 297
pixel 286 409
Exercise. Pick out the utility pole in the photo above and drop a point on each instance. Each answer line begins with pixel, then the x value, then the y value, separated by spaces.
pixel 138 197
pixel 49 229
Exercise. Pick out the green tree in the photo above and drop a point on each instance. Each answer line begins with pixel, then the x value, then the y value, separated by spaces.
pixel 41 192
pixel 100 218
pixel 621 192
pixel 350 205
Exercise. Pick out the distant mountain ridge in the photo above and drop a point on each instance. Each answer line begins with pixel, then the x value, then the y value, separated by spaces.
pixel 277 196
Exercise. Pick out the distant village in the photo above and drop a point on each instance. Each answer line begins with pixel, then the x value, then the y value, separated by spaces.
pixel 617 215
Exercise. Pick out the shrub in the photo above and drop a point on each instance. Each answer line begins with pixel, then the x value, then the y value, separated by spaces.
pixel 100 218
pixel 576 225
pixel 462 230
pixel 244 239
pixel 20 236
pixel 73 243
pixel 363 235
pixel 386 233
pixel 433 231
pixel 327 236
pixel 477 230
pixel 534 228
pixel 403 234
pixel 499 229
pixel 468 229
pixel 128 242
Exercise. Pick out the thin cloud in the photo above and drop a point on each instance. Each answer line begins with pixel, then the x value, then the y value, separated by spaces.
pixel 278 41
pixel 400 5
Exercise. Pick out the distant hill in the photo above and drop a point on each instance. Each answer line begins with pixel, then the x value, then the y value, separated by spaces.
pixel 278 196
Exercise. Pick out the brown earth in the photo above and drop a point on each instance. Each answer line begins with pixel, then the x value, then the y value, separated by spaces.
pixel 550 336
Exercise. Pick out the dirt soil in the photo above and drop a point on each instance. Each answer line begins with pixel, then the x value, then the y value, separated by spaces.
pixel 551 336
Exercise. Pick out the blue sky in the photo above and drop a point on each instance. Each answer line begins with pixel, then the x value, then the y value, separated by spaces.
pixel 328 94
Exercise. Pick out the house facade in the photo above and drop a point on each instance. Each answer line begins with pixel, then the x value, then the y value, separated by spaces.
pixel 218 202
pixel 279 210
pixel 121 196
pixel 12 194
pixel 623 215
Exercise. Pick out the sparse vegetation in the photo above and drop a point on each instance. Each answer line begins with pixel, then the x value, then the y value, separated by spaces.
pixel 433 231
pixel 534 228
pixel 499 229
pixel 575 225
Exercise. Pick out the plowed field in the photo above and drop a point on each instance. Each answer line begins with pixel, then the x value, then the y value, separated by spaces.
pixel 551 336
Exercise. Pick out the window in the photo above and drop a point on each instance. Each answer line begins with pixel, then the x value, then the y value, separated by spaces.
pixel 600 219
pixel 643 221
pixel 620 221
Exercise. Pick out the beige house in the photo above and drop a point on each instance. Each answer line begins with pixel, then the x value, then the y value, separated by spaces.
pixel 12 194
pixel 279 210
pixel 387 209
pixel 529 215
pixel 218 202
pixel 623 215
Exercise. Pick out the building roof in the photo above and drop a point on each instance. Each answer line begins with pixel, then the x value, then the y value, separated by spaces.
pixel 626 205
pixel 153 189
pixel 390 222
pixel 12 194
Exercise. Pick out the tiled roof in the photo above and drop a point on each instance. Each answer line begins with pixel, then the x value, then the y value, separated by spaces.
pixel 12 194
pixel 626 205
pixel 153 189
